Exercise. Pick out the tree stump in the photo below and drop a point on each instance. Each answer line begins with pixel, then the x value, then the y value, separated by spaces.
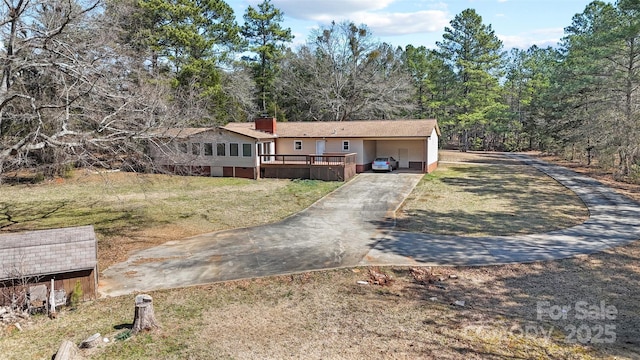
pixel 144 318
pixel 67 351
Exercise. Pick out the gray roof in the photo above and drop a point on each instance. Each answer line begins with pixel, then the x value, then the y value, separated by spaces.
pixel 45 252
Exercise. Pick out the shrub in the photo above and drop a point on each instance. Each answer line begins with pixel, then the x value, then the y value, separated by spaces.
pixel 76 295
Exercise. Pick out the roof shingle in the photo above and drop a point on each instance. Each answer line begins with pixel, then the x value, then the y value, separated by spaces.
pixel 44 252
pixel 349 129
pixel 184 133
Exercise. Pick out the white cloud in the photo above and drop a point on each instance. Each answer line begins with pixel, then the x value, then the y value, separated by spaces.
pixel 541 38
pixel 316 10
pixel 368 12
pixel 389 24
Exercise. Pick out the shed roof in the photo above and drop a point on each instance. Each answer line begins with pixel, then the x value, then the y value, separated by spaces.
pixel 350 129
pixel 44 252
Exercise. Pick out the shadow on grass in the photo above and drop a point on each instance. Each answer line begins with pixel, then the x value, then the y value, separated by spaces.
pixel 588 301
pixel 123 326
pixel 497 223
pixel 107 221
pixel 478 158
pixel 16 215
pixel 530 205
pixel 501 181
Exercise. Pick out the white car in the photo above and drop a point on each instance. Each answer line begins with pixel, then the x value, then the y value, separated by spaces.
pixel 384 164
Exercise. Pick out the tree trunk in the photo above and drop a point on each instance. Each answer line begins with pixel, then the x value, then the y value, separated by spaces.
pixel 144 318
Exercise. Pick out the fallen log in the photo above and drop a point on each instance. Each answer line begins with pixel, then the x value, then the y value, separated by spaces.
pixel 91 341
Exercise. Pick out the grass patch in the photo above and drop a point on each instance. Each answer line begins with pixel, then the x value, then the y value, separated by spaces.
pixel 133 211
pixel 326 314
pixel 497 199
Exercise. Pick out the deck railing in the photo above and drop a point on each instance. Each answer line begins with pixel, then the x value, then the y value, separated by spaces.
pixel 327 159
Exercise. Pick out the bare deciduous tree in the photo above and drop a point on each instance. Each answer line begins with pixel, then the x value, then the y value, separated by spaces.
pixel 68 93
pixel 343 74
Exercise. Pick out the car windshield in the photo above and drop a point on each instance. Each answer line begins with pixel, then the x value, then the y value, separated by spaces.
pixel 381 159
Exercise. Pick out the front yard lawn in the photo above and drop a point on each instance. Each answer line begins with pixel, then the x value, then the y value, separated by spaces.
pixel 328 314
pixel 134 211
pixel 477 195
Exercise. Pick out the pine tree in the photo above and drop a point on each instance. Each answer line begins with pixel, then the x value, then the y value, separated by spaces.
pixel 475 54
pixel 266 38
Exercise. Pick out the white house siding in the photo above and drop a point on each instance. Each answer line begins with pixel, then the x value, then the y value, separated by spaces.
pixel 332 145
pixel 170 154
pixel 432 152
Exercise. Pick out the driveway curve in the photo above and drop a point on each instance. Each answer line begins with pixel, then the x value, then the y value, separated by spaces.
pixel 614 220
pixel 354 226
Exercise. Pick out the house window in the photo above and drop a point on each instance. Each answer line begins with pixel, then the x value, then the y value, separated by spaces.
pixel 221 149
pixel 195 148
pixel 297 145
pixel 345 145
pixel 182 147
pixel 233 149
pixel 208 149
pixel 246 150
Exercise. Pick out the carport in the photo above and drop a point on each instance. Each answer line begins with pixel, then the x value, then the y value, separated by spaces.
pixel 411 153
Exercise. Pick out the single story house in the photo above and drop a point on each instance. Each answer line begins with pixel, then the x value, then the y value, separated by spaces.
pixel 216 151
pixel 248 149
pixel 30 260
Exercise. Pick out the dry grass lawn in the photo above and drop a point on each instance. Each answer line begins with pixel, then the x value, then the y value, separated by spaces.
pixel 134 211
pixel 475 194
pixel 328 315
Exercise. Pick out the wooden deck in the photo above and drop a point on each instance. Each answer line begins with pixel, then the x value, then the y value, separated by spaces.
pixel 327 167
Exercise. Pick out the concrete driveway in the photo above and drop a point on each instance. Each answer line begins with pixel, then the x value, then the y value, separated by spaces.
pixel 354 226
pixel 336 231
pixel 614 220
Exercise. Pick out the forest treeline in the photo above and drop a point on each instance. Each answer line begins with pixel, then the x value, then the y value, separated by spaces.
pixel 86 82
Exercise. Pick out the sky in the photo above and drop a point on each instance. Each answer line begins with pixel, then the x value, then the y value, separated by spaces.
pixel 518 23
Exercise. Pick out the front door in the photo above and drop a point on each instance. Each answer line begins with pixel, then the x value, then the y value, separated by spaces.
pixel 403 158
pixel 320 148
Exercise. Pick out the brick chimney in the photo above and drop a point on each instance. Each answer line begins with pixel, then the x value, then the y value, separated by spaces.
pixel 266 124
